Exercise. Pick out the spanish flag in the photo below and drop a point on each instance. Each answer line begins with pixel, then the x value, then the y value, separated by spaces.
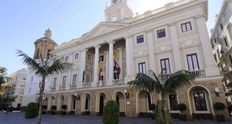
pixel 99 71
pixel 116 66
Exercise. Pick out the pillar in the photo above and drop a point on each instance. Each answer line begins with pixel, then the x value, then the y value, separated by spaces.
pixel 175 47
pixel 210 66
pixel 151 51
pixel 96 60
pixel 111 62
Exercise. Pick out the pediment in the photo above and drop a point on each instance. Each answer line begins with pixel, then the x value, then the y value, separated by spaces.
pixel 102 28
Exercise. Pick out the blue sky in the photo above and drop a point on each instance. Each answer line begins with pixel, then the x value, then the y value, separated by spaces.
pixel 24 21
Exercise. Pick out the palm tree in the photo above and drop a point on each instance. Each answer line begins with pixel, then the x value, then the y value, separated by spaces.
pixel 44 68
pixel 2 76
pixel 163 86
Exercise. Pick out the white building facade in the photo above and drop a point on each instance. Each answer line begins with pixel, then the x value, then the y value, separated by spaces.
pixel 17 84
pixel 166 40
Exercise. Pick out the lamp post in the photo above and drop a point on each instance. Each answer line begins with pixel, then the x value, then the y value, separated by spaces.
pixel 216 91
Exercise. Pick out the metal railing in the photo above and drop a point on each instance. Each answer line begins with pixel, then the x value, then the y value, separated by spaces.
pixel 86 84
pixel 118 81
pixel 195 73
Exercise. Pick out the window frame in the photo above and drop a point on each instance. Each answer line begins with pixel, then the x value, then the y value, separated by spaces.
pixel 54 82
pixel 143 67
pixel 192 61
pixel 184 27
pixel 205 100
pixel 74 80
pixel 138 39
pixel 159 35
pixel 165 68
pixel 64 80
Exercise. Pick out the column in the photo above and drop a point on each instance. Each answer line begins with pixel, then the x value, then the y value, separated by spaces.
pixel 129 56
pixel 151 51
pixel 82 66
pixel 120 62
pixel 175 47
pixel 96 60
pixel 111 62
pixel 210 66
pixel 107 66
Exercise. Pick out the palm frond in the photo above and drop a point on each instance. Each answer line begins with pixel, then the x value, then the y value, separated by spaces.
pixel 59 66
pixel 229 85
pixel 178 80
pixel 144 82
pixel 28 60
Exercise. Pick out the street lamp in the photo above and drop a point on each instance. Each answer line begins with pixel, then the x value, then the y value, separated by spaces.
pixel 216 91
pixel 126 94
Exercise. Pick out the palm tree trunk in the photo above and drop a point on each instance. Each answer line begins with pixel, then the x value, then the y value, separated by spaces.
pixel 166 110
pixel 42 85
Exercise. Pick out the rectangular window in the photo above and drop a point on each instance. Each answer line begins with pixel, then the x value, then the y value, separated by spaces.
pixel 215 57
pixel 173 102
pixel 64 81
pixel 192 62
pixel 101 58
pixel 225 40
pixel 165 66
pixel 161 33
pixel 230 57
pixel 54 83
pixel 140 39
pixel 66 59
pixel 76 56
pixel 186 27
pixel 221 25
pixel 142 67
pixel 74 81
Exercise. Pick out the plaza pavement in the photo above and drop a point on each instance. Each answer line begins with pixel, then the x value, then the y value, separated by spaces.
pixel 18 118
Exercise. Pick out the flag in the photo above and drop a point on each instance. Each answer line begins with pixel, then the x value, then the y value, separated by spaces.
pixel 117 69
pixel 99 71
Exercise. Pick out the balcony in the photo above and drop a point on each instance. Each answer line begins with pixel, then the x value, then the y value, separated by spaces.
pixel 53 88
pixel 87 84
pixel 62 88
pixel 73 86
pixel 118 81
pixel 196 73
pixel 101 83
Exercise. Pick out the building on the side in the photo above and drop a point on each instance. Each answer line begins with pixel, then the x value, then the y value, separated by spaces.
pixel 43 47
pixel 164 40
pixel 17 85
pixel 221 42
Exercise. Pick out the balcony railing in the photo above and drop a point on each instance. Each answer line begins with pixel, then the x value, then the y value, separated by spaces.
pixel 73 86
pixel 195 73
pixel 62 88
pixel 87 85
pixel 101 83
pixel 118 81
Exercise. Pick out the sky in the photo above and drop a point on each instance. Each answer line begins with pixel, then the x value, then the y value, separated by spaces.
pixel 24 21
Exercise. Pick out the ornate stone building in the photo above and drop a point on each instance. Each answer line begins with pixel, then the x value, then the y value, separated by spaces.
pixel 221 41
pixel 164 40
pixel 43 47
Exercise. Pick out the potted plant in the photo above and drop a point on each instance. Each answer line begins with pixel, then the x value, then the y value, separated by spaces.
pixel 218 106
pixel 153 107
pixel 182 107
pixel 53 109
pixel 63 111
